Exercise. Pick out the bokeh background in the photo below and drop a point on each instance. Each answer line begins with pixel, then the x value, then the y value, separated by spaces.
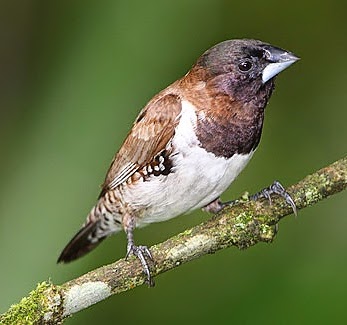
pixel 74 75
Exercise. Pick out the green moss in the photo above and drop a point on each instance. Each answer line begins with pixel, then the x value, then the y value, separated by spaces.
pixel 312 195
pixel 264 229
pixel 250 230
pixel 267 233
pixel 29 310
pixel 186 232
pixel 312 192
pixel 244 197
pixel 242 220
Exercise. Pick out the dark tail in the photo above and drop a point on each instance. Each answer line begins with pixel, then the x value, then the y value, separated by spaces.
pixel 82 243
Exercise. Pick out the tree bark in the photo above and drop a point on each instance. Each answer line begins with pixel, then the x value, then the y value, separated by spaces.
pixel 242 225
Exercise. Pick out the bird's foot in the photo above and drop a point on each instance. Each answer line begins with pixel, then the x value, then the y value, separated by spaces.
pixel 141 252
pixel 275 188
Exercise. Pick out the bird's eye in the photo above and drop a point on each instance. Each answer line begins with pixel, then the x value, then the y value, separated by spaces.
pixel 245 66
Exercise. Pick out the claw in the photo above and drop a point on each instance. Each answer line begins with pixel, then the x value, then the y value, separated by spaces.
pixel 147 251
pixel 276 188
pixel 141 252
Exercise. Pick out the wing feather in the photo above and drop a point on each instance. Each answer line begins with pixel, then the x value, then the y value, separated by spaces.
pixel 151 132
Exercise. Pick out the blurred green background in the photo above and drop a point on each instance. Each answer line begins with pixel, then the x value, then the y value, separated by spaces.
pixel 74 75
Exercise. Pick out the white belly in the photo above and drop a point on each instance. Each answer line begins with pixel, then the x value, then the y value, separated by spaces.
pixel 198 177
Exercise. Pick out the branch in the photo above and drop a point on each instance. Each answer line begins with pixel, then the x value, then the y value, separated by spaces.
pixel 242 225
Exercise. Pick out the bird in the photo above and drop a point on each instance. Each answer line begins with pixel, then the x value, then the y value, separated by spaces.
pixel 186 146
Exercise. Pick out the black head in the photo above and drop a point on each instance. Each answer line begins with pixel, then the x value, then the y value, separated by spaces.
pixel 244 67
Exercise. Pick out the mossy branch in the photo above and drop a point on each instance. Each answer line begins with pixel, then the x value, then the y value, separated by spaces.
pixel 242 225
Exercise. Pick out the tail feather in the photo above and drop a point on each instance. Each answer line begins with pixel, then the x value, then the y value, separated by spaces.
pixel 81 243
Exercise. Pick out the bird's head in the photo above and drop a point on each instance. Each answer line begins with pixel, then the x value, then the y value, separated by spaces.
pixel 244 67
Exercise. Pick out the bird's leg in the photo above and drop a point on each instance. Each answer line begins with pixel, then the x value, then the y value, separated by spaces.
pixel 275 188
pixel 217 205
pixel 141 252
pixel 214 206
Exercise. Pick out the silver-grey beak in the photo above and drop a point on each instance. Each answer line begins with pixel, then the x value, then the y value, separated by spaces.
pixel 278 61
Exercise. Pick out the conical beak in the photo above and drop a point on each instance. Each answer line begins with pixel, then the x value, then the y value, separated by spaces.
pixel 278 61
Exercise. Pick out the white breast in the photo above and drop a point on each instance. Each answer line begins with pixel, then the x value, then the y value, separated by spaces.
pixel 198 176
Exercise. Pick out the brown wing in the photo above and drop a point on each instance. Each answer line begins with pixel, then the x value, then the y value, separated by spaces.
pixel 151 132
